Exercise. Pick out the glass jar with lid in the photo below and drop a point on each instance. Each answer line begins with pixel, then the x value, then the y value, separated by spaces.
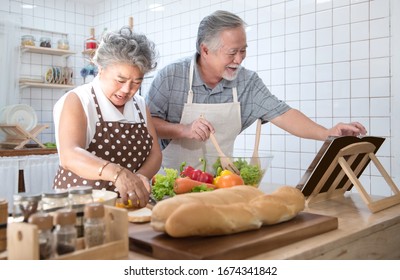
pixel 79 197
pixel 25 204
pixel 44 223
pixel 94 225
pixel 65 234
pixel 45 42
pixel 63 44
pixel 27 40
pixel 54 200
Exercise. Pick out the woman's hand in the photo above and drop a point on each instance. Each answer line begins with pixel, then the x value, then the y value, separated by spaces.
pixel 133 187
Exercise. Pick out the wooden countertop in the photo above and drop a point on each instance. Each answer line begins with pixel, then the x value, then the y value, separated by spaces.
pixel 26 152
pixel 360 235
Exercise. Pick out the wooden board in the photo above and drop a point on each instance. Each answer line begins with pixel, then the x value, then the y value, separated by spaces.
pixel 143 239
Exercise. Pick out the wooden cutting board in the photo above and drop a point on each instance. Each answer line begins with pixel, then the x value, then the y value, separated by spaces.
pixel 143 239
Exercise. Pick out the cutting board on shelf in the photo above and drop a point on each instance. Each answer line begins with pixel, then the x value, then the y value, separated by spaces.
pixel 143 239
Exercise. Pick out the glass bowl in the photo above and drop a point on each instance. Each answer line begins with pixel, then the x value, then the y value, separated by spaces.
pixel 251 170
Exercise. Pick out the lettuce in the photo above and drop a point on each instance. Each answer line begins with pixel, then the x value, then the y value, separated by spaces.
pixel 251 174
pixel 164 184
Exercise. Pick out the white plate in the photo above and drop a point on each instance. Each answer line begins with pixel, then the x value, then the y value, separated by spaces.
pixel 21 114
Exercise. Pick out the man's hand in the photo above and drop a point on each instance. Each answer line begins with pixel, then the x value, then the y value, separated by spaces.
pixel 348 129
pixel 199 130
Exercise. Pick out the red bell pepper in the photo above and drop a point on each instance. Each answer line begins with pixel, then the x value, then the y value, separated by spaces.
pixel 197 174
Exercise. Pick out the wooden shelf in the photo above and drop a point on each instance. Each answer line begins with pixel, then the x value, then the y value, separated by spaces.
pixel 45 85
pixel 50 51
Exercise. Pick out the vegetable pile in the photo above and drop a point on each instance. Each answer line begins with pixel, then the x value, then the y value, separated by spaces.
pixel 251 174
pixel 188 179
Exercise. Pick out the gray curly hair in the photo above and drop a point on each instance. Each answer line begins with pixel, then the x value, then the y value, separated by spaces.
pixel 212 25
pixel 126 46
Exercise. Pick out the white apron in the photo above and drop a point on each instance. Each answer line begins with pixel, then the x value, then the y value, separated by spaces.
pixel 225 117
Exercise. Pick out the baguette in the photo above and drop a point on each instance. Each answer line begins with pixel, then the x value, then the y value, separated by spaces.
pixel 163 209
pixel 225 211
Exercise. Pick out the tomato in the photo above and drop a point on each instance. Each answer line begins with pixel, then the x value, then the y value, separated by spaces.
pixel 229 180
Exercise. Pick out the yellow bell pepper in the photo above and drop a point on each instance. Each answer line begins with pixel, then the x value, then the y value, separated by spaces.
pixel 223 173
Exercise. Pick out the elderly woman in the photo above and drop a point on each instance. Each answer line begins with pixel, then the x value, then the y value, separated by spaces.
pixel 104 132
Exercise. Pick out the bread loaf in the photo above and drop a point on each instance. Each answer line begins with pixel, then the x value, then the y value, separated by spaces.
pixel 163 209
pixel 225 211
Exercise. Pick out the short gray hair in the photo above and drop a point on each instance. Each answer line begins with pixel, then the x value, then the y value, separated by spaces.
pixel 126 46
pixel 212 25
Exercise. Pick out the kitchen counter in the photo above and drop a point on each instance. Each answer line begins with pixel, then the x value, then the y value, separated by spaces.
pixel 26 152
pixel 360 235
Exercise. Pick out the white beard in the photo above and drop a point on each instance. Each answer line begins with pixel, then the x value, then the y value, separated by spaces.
pixel 231 77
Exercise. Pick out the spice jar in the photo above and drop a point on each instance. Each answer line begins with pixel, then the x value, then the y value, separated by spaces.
pixel 54 200
pixel 45 42
pixel 94 224
pixel 27 40
pixel 65 234
pixel 79 196
pixel 25 205
pixel 44 222
pixel 63 44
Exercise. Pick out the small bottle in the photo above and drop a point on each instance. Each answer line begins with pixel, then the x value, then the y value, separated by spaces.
pixel 94 224
pixel 65 234
pixel 91 42
pixel 44 222
pixel 54 200
pixel 25 204
pixel 79 196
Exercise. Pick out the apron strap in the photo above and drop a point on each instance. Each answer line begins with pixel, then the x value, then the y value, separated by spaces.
pixel 190 92
pixel 234 93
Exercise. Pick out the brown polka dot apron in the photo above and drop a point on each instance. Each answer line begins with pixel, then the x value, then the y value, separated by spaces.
pixel 126 144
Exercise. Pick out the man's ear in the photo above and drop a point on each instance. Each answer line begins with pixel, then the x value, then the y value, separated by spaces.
pixel 204 49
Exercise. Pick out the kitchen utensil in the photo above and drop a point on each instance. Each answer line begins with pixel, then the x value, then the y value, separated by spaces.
pixel 226 163
pixel 255 159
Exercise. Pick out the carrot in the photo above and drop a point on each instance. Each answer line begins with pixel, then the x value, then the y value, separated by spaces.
pixel 184 185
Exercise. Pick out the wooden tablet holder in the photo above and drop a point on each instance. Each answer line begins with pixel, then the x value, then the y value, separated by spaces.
pixel 17 137
pixel 343 172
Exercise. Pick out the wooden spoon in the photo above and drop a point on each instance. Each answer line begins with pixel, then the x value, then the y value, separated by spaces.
pixel 226 163
pixel 255 159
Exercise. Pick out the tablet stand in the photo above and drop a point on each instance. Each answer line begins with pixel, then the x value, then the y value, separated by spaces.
pixel 343 170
